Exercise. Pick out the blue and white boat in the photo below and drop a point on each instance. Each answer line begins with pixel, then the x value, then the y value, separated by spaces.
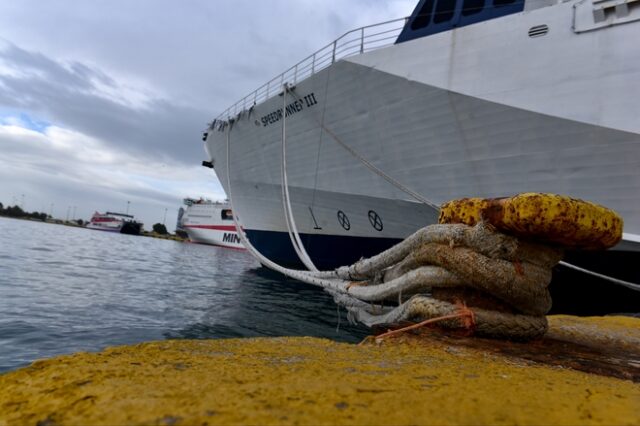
pixel 482 98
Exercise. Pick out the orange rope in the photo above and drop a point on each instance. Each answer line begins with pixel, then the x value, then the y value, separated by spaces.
pixel 518 267
pixel 468 316
pixel 467 324
pixel 356 284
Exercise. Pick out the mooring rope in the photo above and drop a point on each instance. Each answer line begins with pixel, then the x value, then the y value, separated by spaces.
pixel 503 279
pixel 413 194
pixel 613 280
pixel 296 241
pixel 419 307
pixel 305 276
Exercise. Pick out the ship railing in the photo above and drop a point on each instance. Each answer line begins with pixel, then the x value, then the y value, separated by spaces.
pixel 354 42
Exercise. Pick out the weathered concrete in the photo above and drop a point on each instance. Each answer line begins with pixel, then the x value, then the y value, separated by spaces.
pixel 407 380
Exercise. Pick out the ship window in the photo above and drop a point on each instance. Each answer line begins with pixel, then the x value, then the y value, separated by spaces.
pixel 226 214
pixel 444 11
pixel 471 7
pixel 423 17
pixel 498 3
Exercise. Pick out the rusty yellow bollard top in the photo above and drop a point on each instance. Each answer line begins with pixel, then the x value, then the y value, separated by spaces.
pixel 550 218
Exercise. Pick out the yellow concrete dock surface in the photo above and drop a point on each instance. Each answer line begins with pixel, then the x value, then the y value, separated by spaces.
pixel 413 379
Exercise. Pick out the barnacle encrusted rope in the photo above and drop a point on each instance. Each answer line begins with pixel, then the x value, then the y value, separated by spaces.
pixel 503 280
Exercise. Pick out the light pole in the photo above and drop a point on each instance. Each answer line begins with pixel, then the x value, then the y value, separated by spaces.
pixel 22 203
pixel 127 207
pixel 68 211
pixel 164 219
pixel 74 212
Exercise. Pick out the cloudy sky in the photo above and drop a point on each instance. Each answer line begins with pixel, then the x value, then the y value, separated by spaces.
pixel 104 101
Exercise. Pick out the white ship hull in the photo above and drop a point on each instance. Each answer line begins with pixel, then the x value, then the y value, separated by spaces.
pixel 479 111
pixel 204 224
pixel 109 227
pixel 225 237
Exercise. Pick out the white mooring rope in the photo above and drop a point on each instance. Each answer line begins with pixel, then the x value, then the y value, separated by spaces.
pixel 322 279
pixel 372 167
pixel 613 280
pixel 296 241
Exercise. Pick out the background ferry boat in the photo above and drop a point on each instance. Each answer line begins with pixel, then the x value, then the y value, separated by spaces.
pixel 106 222
pixel 465 98
pixel 209 222
pixel 115 222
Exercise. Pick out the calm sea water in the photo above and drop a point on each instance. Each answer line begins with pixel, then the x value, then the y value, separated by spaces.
pixel 66 289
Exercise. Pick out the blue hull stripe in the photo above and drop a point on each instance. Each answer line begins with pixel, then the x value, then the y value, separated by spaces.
pixel 326 251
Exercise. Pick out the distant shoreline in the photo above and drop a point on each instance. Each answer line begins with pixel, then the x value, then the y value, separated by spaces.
pixel 172 237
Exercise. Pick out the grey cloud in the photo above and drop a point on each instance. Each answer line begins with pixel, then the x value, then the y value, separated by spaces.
pixel 146 205
pixel 189 48
pixel 196 57
pixel 77 76
pixel 48 175
pixel 189 60
pixel 67 95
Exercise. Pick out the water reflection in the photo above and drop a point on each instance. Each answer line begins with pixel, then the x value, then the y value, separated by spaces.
pixel 65 289
pixel 265 303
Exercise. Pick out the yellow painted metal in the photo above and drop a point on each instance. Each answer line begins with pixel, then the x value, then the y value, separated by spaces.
pixel 550 218
pixel 311 381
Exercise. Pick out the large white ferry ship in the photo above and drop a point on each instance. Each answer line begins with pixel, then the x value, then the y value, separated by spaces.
pixel 209 222
pixel 361 141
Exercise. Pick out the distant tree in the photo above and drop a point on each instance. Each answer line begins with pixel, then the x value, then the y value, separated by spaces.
pixel 1 207
pixel 36 215
pixel 159 228
pixel 14 211
pixel 80 222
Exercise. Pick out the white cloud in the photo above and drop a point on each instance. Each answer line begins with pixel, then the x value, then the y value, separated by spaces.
pixel 83 172
pixel 107 98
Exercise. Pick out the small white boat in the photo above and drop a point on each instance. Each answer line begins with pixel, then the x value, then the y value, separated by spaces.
pixel 106 222
pixel 210 222
pixel 115 222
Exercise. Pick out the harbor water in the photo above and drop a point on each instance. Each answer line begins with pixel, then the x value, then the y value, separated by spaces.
pixel 66 289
